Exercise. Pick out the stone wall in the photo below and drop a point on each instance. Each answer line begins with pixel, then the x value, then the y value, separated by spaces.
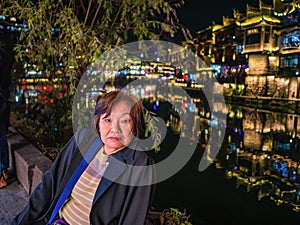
pixel 272 86
pixel 27 162
pixel 258 64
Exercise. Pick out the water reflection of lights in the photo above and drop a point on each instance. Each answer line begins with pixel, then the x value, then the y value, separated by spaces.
pixel 248 154
pixel 261 158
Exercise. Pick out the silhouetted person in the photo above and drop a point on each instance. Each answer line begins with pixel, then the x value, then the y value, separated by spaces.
pixel 6 61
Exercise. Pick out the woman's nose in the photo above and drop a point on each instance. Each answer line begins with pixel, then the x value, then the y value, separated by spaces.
pixel 115 126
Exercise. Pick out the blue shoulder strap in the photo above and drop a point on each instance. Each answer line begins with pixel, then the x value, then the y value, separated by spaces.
pixel 74 178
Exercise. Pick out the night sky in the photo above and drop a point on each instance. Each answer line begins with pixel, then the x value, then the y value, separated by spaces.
pixel 199 14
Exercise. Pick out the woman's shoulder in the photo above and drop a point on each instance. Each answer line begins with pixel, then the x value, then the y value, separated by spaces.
pixel 80 141
pixel 84 134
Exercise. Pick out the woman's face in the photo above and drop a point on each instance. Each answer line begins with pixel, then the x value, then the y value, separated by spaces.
pixel 116 129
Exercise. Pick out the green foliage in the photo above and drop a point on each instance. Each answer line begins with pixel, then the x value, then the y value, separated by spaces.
pixel 174 216
pixel 48 124
pixel 85 29
pixel 75 33
pixel 152 130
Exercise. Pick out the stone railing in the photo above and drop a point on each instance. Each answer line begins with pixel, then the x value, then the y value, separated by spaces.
pixel 27 162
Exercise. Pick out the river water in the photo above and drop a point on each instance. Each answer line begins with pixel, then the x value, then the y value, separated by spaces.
pixel 255 178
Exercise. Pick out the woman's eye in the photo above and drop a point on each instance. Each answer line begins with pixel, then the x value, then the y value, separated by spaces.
pixel 107 120
pixel 125 121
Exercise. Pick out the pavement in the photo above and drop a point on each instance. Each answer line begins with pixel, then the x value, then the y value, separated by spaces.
pixel 12 200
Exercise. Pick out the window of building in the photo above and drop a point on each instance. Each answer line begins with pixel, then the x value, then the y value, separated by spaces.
pixel 267 34
pixel 239 48
pixel 290 61
pixel 253 39
pixel 290 40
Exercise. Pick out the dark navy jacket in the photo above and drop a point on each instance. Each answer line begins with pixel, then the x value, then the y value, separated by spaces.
pixel 115 202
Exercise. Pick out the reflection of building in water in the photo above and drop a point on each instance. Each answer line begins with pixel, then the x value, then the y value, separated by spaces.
pixel 285 167
pixel 271 131
pixel 267 159
pixel 275 177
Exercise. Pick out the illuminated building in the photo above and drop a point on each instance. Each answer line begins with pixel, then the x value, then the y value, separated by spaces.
pixel 256 54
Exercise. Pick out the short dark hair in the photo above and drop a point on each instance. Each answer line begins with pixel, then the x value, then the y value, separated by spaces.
pixel 105 103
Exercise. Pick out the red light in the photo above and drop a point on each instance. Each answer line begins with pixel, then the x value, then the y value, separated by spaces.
pixel 184 104
pixel 185 77
pixel 51 100
pixel 24 87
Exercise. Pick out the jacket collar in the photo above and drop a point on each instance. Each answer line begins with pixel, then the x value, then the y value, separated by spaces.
pixel 118 164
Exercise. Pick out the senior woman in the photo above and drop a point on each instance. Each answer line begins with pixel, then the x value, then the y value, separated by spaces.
pixel 104 180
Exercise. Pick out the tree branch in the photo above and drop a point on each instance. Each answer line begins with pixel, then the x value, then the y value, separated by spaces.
pixel 96 14
pixel 87 12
